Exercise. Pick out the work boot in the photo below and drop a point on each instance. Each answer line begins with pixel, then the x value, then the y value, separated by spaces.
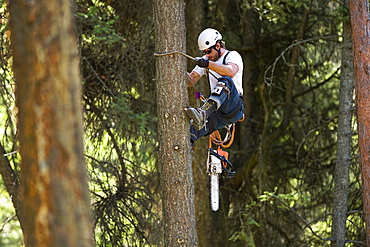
pixel 200 115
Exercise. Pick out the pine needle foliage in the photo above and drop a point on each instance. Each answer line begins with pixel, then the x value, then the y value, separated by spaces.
pixel 116 45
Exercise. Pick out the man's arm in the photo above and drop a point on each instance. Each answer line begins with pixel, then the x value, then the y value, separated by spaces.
pixel 193 78
pixel 230 69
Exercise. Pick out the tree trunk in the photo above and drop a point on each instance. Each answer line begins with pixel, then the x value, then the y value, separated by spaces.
pixel 341 175
pixel 359 13
pixel 173 127
pixel 55 198
pixel 195 23
pixel 251 25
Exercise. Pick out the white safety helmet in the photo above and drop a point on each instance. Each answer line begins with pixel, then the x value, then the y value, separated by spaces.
pixel 208 38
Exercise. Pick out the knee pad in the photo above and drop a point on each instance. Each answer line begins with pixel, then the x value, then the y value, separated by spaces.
pixel 217 90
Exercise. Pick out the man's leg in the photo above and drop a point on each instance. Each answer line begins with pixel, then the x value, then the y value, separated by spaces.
pixel 200 115
pixel 228 99
pixel 214 122
pixel 219 94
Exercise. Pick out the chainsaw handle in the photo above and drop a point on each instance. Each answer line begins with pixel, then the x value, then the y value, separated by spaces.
pixel 220 157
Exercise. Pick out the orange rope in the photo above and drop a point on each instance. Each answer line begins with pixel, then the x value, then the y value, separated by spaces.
pixel 217 140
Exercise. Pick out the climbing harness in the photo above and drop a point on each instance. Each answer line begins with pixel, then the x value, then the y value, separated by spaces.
pixel 228 140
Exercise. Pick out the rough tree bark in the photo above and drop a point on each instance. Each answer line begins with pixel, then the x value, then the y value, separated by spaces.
pixel 359 13
pixel 55 197
pixel 341 175
pixel 173 127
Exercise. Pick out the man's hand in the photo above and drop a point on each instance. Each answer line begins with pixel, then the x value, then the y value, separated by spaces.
pixel 201 62
pixel 190 80
pixel 193 77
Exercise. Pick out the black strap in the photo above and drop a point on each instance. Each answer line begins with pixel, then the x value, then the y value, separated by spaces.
pixel 224 61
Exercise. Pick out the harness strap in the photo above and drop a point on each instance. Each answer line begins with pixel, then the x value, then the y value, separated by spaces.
pixel 224 61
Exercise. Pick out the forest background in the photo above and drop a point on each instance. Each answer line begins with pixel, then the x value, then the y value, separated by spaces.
pixel 297 74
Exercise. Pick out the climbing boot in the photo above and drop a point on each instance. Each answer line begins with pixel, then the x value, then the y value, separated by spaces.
pixel 200 115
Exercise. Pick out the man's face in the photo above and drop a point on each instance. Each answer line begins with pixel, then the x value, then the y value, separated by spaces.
pixel 212 53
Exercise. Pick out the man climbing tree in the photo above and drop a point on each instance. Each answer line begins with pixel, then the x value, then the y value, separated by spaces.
pixel 173 130
pixel 225 69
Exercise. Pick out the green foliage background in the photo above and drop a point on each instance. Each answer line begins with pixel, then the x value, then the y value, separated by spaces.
pixel 283 196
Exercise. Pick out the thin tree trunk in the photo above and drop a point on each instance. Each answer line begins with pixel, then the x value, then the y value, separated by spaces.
pixel 173 127
pixel 268 139
pixel 359 13
pixel 251 33
pixel 55 197
pixel 341 175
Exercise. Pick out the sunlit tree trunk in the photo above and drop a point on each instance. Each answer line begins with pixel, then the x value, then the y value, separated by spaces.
pixel 173 127
pixel 55 199
pixel 341 176
pixel 359 13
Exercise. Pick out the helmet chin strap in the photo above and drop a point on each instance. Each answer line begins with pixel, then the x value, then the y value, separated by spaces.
pixel 218 51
